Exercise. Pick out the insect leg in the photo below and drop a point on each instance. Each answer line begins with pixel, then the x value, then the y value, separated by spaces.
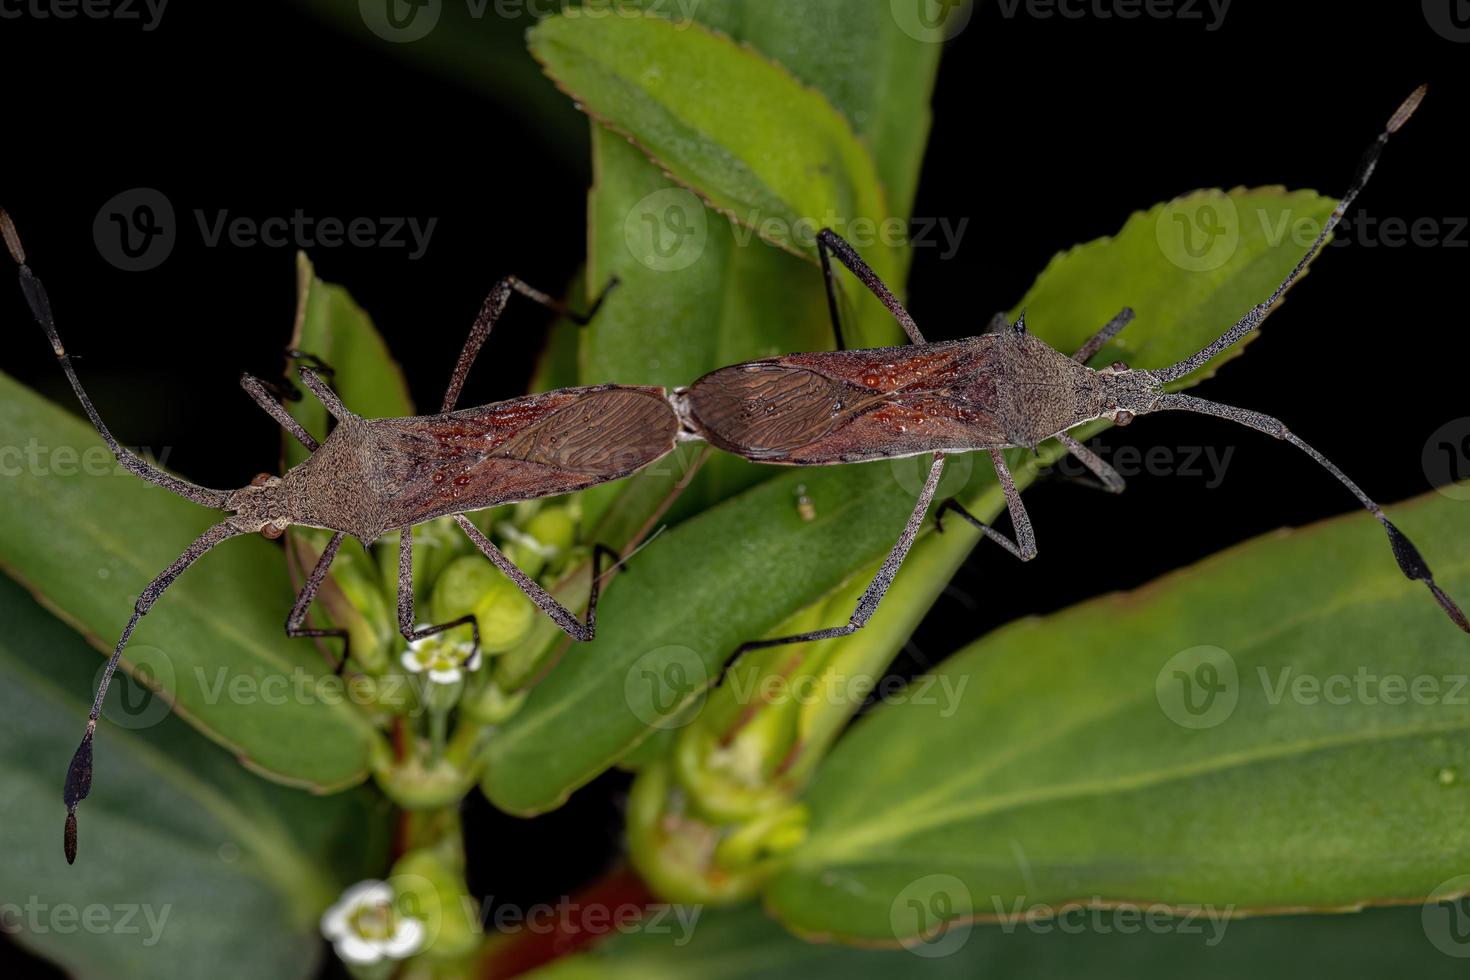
pixel 1110 479
pixel 545 601
pixel 40 305
pixel 79 773
pixel 490 312
pixel 829 241
pixel 868 602
pixel 325 394
pixel 1024 547
pixel 1110 330
pixel 1410 561
pixel 263 397
pixel 405 600
pixel 1257 313
pixel 297 617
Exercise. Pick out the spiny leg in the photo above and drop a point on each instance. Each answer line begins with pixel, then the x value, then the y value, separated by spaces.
pixel 40 305
pixel 1024 547
pixel 297 616
pixel 260 392
pixel 490 312
pixel 406 617
pixel 325 395
pixel 829 241
pixel 79 773
pixel 545 601
pixel 1109 330
pixel 1252 319
pixel 1410 561
pixel 1109 479
pixel 867 603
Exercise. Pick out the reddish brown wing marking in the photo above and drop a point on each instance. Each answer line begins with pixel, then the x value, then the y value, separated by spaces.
pixel 810 409
pixel 538 446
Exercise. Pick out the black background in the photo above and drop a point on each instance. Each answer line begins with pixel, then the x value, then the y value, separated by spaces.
pixel 1047 132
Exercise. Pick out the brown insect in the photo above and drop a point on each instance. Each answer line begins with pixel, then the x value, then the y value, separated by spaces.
pixel 1003 389
pixel 372 476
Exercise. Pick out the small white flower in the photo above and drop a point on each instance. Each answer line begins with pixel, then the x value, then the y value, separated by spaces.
pixel 446 660
pixel 364 927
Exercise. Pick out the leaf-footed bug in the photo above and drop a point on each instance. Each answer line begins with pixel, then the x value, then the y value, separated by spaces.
pixel 372 476
pixel 1003 389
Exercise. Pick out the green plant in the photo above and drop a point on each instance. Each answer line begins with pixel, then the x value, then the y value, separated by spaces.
pixel 719 145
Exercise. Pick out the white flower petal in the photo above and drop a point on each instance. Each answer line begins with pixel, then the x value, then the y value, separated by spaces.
pixel 411 662
pixel 334 921
pixel 450 676
pixel 406 941
pixel 473 663
pixel 354 949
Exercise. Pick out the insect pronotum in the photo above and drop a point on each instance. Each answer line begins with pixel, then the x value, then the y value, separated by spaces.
pixel 1002 389
pixel 373 476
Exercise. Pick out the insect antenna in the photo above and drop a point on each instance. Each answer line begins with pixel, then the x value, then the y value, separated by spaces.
pixel 1253 318
pixel 40 305
pixel 1409 559
pixel 79 773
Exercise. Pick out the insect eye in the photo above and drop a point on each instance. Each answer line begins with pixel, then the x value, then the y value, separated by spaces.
pixel 271 532
pixel 1119 367
pixel 1123 417
pixel 261 479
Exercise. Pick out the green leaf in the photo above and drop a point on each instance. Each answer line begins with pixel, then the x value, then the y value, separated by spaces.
pixel 733 573
pixel 86 537
pixel 333 328
pixel 743 943
pixel 744 298
pixel 734 126
pixel 1278 728
pixel 187 862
